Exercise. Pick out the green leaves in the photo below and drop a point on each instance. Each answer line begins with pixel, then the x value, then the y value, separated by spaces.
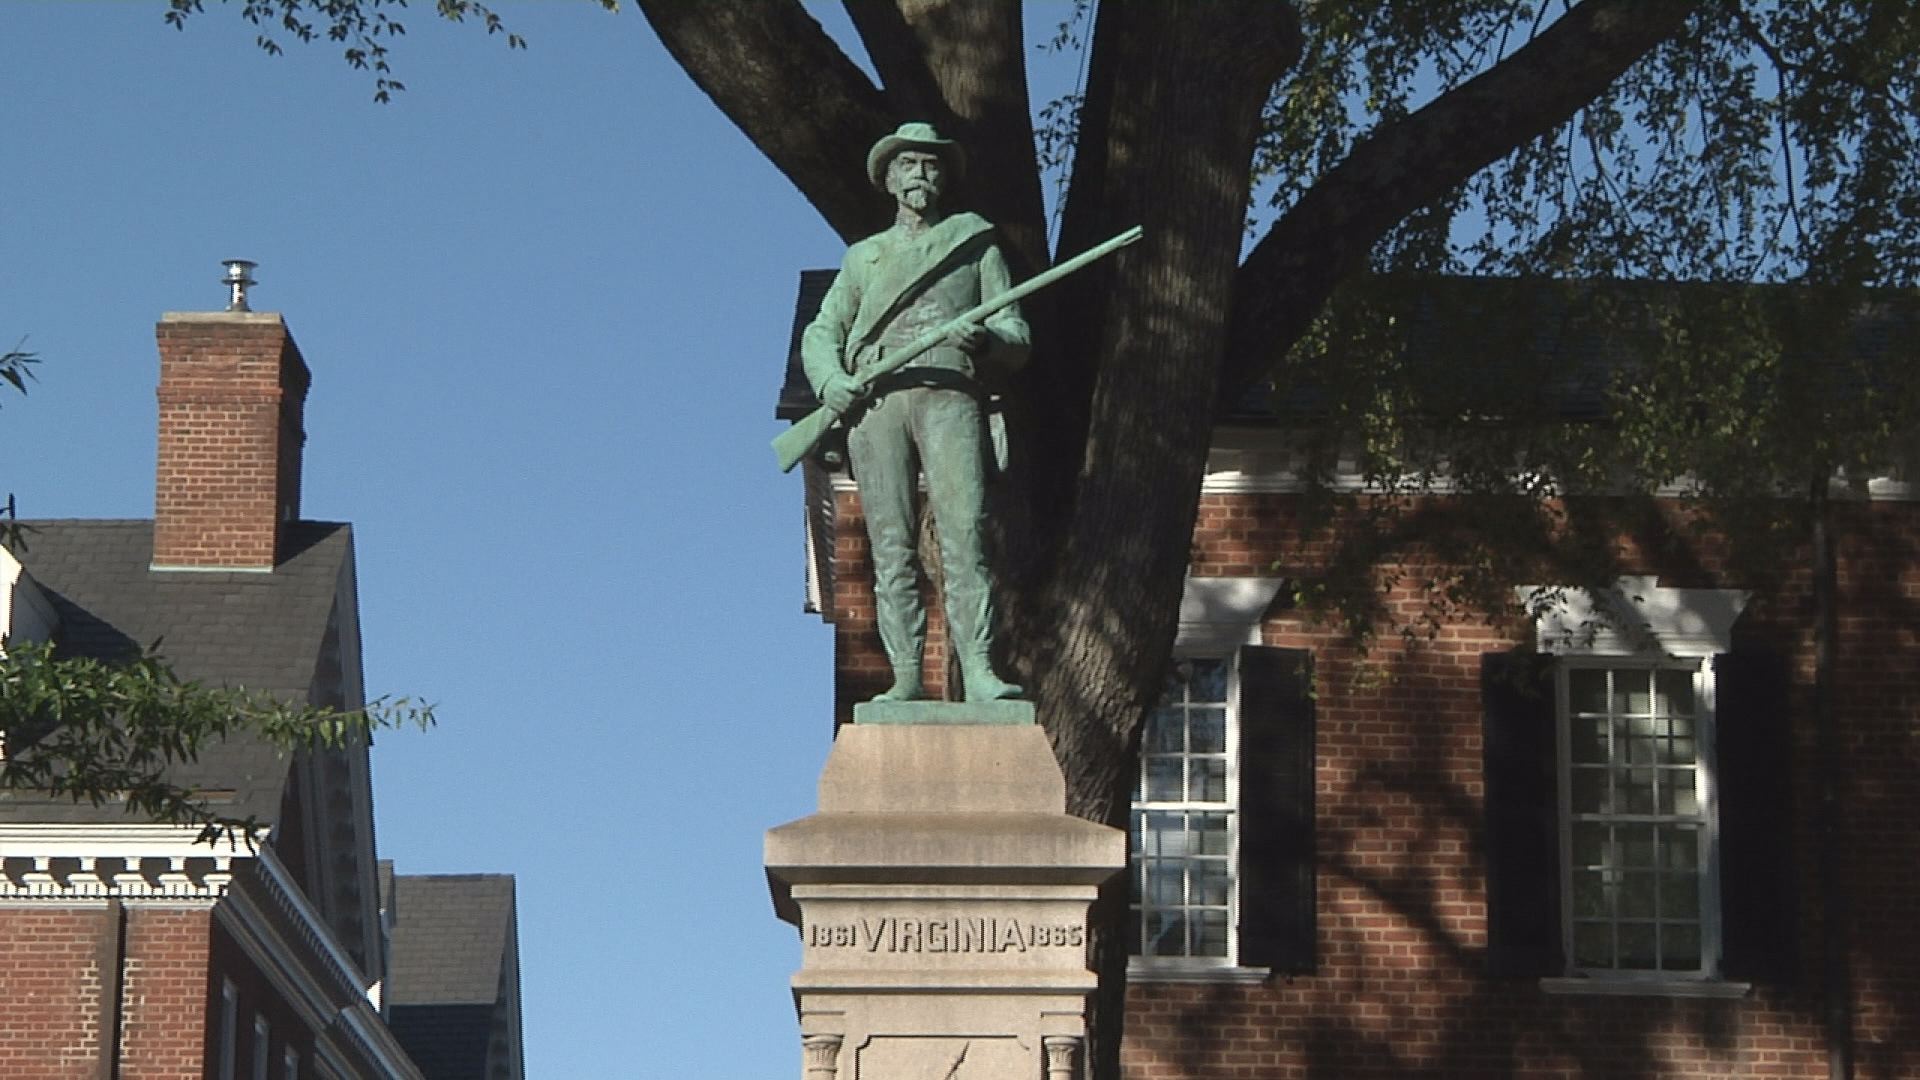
pixel 361 27
pixel 97 732
pixel 16 366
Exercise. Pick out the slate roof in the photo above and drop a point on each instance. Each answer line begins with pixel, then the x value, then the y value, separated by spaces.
pixel 451 935
pixel 262 631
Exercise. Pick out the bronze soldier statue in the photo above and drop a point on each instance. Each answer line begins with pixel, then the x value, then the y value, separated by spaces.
pixel 894 286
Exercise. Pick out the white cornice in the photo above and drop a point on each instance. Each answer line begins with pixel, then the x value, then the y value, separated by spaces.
pixel 124 839
pixel 1224 612
pixel 121 861
pixel 286 893
pixel 1636 616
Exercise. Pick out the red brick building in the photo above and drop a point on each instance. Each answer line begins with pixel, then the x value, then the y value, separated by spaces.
pixel 1578 843
pixel 133 950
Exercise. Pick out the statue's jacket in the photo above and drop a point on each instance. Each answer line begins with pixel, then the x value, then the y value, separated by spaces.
pixel 892 286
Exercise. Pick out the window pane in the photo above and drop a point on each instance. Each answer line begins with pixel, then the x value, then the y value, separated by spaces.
pixel 1686 800
pixel 1680 948
pixel 1674 692
pixel 1637 945
pixel 1680 751
pixel 1679 896
pixel 1210 933
pixel 1643 750
pixel 1590 739
pixel 1165 834
pixel 1637 896
pixel 1208 781
pixel 1166 885
pixel 1208 729
pixel 1590 895
pixel 1164 779
pixel 1210 882
pixel 1681 846
pixel 1635 790
pixel 1163 734
pixel 1208 681
pixel 1592 945
pixel 1210 833
pixel 1589 845
pixel 1630 692
pixel 1587 690
pixel 1166 934
pixel 1590 791
pixel 1636 846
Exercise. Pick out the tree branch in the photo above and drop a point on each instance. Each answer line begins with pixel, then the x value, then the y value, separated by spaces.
pixel 1408 163
pixel 776 74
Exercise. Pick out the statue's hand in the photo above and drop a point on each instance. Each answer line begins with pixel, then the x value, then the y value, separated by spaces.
pixel 969 338
pixel 839 392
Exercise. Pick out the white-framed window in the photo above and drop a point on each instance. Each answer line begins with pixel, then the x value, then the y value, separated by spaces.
pixel 227 1037
pixel 1184 833
pixel 262 1046
pixel 1637 836
pixel 290 1064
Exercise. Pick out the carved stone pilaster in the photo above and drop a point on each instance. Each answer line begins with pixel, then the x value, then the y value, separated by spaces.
pixel 822 1056
pixel 1061 1053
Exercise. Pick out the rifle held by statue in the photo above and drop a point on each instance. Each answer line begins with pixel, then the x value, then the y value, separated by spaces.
pixel 795 443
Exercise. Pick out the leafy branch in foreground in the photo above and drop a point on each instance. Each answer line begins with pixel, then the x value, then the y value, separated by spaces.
pixel 98 731
pixel 362 27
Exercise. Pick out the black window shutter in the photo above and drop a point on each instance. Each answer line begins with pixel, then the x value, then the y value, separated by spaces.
pixel 1753 736
pixel 1520 745
pixel 1277 882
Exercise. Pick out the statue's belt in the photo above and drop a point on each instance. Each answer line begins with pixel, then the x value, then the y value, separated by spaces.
pixel 917 377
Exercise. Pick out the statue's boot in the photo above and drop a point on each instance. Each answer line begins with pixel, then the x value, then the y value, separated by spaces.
pixel 906 684
pixel 903 635
pixel 976 670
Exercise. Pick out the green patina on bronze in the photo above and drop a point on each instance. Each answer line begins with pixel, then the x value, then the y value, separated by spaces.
pixel 1005 713
pixel 894 290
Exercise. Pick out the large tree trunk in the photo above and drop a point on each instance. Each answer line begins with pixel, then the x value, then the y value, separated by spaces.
pixel 1186 83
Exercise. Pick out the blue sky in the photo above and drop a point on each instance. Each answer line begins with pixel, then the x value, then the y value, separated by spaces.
pixel 545 296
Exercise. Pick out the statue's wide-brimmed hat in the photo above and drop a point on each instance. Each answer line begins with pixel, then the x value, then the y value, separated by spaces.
pixel 915 135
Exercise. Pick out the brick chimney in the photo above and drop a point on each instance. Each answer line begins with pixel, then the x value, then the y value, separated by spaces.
pixel 233 389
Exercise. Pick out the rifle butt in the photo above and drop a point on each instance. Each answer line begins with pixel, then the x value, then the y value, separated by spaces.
pixel 792 446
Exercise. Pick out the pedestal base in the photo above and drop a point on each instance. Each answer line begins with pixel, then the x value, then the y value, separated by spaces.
pixel 941 895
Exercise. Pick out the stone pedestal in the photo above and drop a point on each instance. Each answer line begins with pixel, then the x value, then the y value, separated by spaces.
pixel 941 894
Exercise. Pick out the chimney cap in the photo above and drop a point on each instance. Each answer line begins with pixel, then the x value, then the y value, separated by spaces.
pixel 239 278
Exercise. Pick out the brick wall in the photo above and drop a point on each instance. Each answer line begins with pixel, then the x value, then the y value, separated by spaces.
pixel 168 999
pixel 56 970
pixel 50 982
pixel 860 665
pixel 1401 988
pixel 232 395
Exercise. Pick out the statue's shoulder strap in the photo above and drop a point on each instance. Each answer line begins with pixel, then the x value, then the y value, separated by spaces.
pixel 954 237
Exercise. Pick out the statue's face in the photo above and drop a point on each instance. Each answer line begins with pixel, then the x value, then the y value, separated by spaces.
pixel 915 178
